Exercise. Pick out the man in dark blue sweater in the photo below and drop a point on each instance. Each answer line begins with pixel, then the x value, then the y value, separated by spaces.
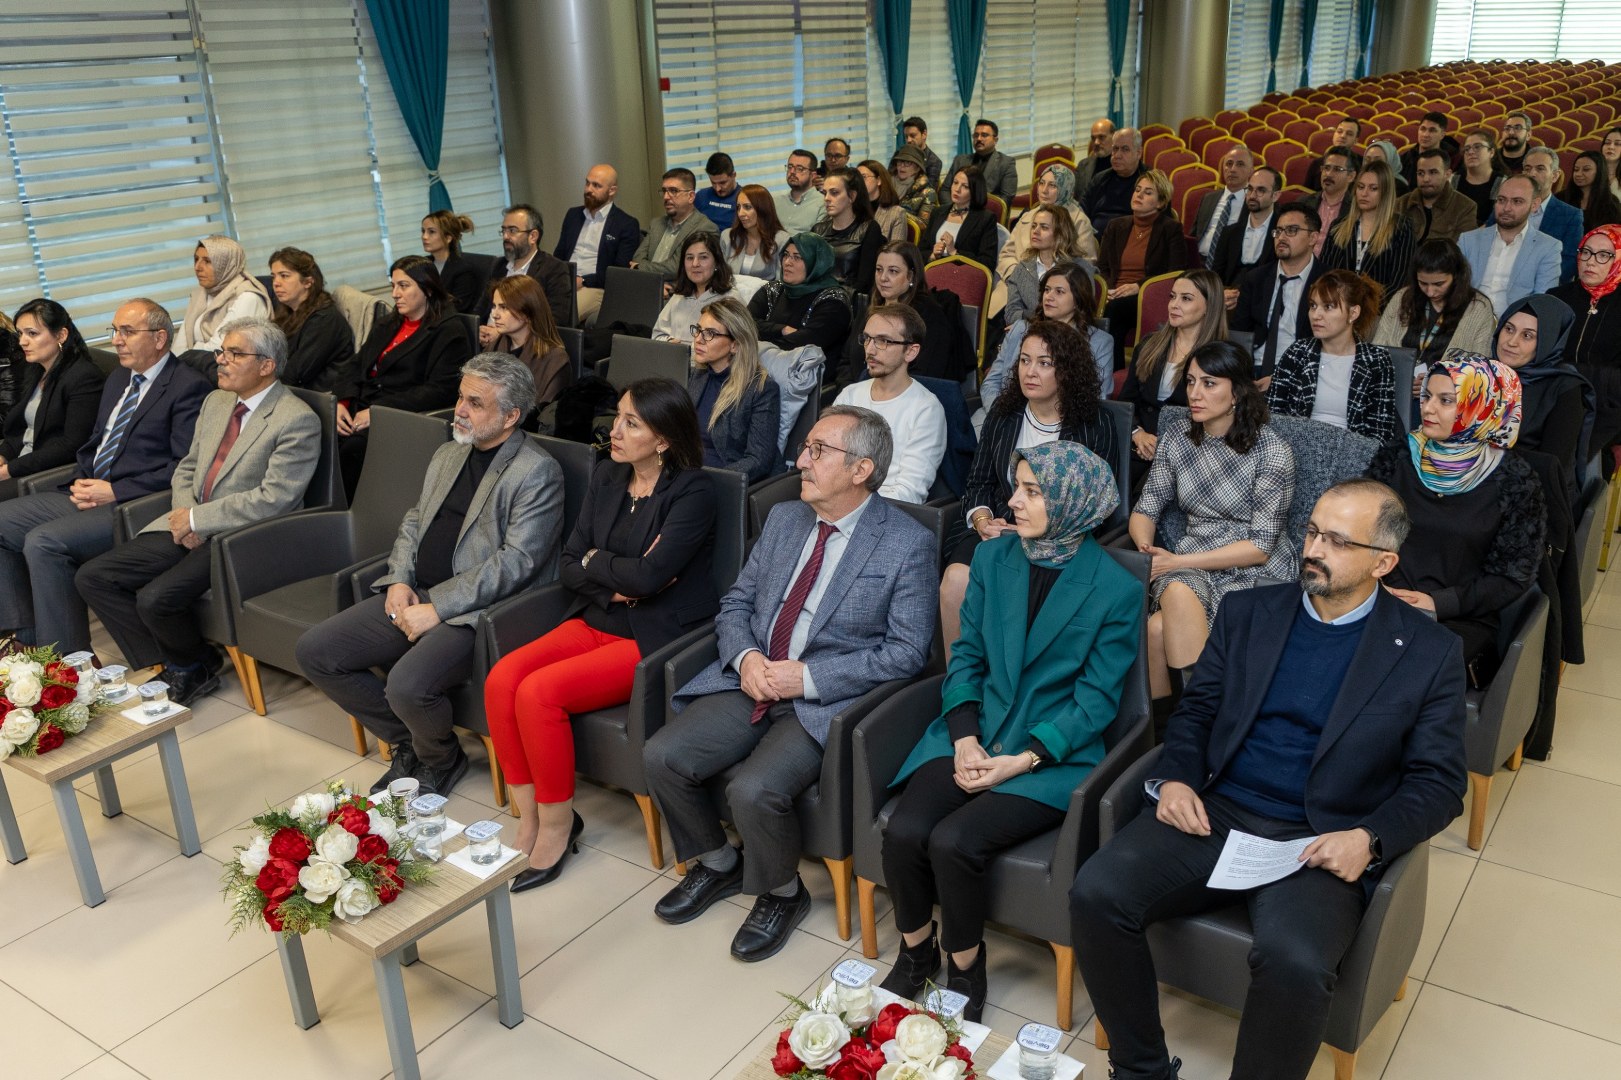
pixel 1338 715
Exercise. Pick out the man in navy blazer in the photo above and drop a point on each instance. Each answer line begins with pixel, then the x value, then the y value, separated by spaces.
pixel 143 428
pixel 1336 715
pixel 839 595
pixel 596 236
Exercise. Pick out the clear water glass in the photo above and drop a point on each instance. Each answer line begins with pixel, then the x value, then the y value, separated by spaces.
pixel 483 842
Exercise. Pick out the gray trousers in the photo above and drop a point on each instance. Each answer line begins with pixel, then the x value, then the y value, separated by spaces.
pixel 780 760
pixel 410 704
pixel 43 542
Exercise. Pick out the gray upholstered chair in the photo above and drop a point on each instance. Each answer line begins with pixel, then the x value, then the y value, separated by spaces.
pixel 632 297
pixel 1208 954
pixel 634 358
pixel 1499 716
pixel 1030 881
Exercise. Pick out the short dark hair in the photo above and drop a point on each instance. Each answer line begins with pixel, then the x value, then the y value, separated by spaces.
pixel 537 224
pixel 1223 359
pixel 982 122
pixel 421 270
pixel 1438 119
pixel 666 407
pixel 917 122
pixel 1345 152
pixel 1435 153
pixel 911 322
pixel 1391 527
pixel 719 164
pixel 841 142
pixel 1354 122
pixel 1277 177
pixel 684 176
pixel 1309 217
pixel 814 160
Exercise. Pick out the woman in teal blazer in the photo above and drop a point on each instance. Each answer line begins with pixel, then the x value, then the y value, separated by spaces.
pixel 1050 626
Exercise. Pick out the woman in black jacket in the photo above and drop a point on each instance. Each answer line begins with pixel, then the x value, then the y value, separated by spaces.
pixel 319 341
pixel 807 305
pixel 411 360
pixel 1134 247
pixel 638 566
pixel 60 385
pixel 442 241
pixel 1595 336
pixel 898 279
pixel 962 225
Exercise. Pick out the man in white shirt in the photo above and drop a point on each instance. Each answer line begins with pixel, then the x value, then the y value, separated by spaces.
pixel 1271 297
pixel 595 236
pixel 1510 259
pixel 1219 209
pixel 802 207
pixel 1248 243
pixel 892 340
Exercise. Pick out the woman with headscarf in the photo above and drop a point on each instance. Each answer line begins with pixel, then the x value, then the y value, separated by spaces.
pixel 1595 335
pixel 1478 513
pixel 1030 690
pixel 1556 408
pixel 806 305
pixel 225 291
pixel 1054 188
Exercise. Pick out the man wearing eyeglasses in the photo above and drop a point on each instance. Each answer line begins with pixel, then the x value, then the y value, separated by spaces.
pixel 143 428
pixel 251 459
pixel 1248 241
pixel 661 247
pixel 802 207
pixel 1346 134
pixel 522 229
pixel 1328 711
pixel 892 339
pixel 1271 296
pixel 1339 166
pixel 1516 141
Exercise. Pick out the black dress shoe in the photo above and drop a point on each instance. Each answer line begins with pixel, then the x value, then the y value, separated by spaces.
pixel 702 887
pixel 439 781
pixel 403 764
pixel 766 930
pixel 970 983
pixel 915 966
pixel 536 876
pixel 186 685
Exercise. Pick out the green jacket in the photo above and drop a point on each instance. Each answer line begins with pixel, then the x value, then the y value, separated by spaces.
pixel 1060 683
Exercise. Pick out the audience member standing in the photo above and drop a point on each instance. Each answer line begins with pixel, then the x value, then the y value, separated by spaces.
pixel 596 235
pixel 661 248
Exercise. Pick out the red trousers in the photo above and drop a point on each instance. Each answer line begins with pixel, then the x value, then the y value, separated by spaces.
pixel 531 693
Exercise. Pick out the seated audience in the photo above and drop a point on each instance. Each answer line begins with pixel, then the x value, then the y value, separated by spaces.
pixel 522 229
pixel 661 248
pixel 718 202
pixel 1234 478
pixel 892 338
pixel 1480 177
pixel 1068 295
pixel 802 207
pixel 1293 726
pixel 738 404
pixel 637 569
pixel 849 229
pixel 818 617
pixel 1438 309
pixel 1556 407
pixel 1271 298
pixel 885 200
pixel 918 196
pixel 1054 188
pixel 1224 206
pixel 252 454
pixel 702 276
pixel 596 235
pixel 1096 157
pixel 320 344
pixel 1111 193
pixel 753 245
pixel 1590 193
pixel 1508 258
pixel 1051 241
pixel 1333 201
pixel 835 156
pixel 225 291
pixel 442 233
pixel 962 225
pixel 1337 376
pixel 524 328
pixel 11 361
pixel 454 556
pixel 1478 511
pixel 1158 376
pixel 1431 138
pixel 1436 209
pixel 1610 150
pixel 1030 690
pixel 1374 240
pixel 1144 243
pixel 409 361
pixel 916 132
pixel 1001 175
pixel 947 352
pixel 1347 133
pixel 1554 217
pixel 59 390
pixel 806 305
pixel 142 429
pixel 1248 243
pixel 1383 152
pixel 1595 350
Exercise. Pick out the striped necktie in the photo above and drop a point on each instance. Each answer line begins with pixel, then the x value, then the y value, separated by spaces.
pixel 115 438
pixel 782 631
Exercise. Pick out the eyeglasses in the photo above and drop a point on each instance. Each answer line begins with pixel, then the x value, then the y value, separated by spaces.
pixel 1600 257
pixel 794 255
pixel 1478 148
pixel 816 448
pixel 128 331
pixel 1289 230
pixel 1336 541
pixel 1335 169
pixel 673 192
pixel 235 356
pixel 880 341
pixel 706 334
pixel 512 230
pixel 1040 363
pixel 791 167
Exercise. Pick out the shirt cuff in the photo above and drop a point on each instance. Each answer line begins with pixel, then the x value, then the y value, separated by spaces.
pixel 809 685
pixel 191 519
pixel 737 661
pixel 968 518
pixel 1151 788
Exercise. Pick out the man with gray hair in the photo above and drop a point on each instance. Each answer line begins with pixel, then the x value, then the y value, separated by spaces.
pixel 1553 216
pixel 838 596
pixel 251 459
pixel 486 526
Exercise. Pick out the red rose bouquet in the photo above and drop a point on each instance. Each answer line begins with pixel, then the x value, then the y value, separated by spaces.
pixel 43 702
pixel 842 1036
pixel 331 854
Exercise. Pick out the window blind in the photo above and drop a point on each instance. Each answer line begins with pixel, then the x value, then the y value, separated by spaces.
pixel 835 58
pixel 1092 73
pixel 1009 83
pixel 1288 65
pixel 931 84
pixel 1248 54
pixel 1333 47
pixel 1553 29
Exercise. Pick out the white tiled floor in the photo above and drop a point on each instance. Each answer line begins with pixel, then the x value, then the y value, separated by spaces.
pixel 1514 976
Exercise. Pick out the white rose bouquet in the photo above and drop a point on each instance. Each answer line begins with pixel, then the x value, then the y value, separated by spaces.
pixel 840 1035
pixel 42 703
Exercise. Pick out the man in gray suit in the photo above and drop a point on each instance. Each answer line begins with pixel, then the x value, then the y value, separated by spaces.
pixel 251 458
pixel 839 595
pixel 486 526
pixel 1001 175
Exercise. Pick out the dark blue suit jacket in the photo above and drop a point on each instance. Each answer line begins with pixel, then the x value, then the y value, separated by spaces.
pixel 1391 753
pixel 159 435
pixel 621 235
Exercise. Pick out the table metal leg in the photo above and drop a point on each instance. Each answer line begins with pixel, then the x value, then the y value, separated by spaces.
pixel 297 974
pixel 11 837
pixel 402 1051
pixel 408 954
pixel 174 777
pixel 107 791
pixel 84 863
pixel 504 956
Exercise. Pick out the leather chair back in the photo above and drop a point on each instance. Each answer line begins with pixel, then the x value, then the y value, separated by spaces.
pixel 325 491
pixel 574 345
pixel 635 358
pixel 1405 360
pixel 397 454
pixel 808 412
pixel 633 297
pixel 731 525
pixel 577 461
pixel 1119 415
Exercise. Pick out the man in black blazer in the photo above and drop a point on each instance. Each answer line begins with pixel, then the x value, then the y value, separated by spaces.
pixel 143 428
pixel 521 231
pixel 1280 287
pixel 1336 715
pixel 1248 242
pixel 596 236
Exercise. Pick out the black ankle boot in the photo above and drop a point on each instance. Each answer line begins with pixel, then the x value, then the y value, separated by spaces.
pixel 915 966
pixel 969 983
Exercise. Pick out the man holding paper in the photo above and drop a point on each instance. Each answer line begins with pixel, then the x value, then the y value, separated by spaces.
pixel 1336 715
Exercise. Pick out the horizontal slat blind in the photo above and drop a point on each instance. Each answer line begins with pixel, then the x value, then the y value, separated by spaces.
pixel 1007 74
pixel 1511 30
pixel 1333 47
pixel 1248 54
pixel 833 40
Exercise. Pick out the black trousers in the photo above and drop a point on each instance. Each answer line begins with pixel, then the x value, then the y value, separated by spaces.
pixel 1151 871
pixel 144 590
pixel 1122 316
pixel 938 844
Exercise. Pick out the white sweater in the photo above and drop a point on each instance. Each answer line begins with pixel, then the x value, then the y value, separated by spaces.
pixel 917 422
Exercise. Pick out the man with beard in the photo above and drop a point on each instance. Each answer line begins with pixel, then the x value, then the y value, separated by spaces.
pixel 1437 210
pixel 1510 157
pixel 1328 710
pixel 916 130
pixel 1249 242
pixel 1346 134
pixel 1001 176
pixel 1432 135
pixel 1339 166
pixel 661 247
pixel 596 236
pixel 1096 158
pixel 521 231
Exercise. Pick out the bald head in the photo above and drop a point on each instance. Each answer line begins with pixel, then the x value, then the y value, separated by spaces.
pixel 1101 130
pixel 1236 166
pixel 601 186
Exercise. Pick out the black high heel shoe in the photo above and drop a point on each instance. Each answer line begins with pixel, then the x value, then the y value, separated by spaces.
pixel 536 876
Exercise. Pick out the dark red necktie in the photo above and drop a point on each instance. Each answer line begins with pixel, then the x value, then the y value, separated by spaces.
pixel 782 631
pixel 232 430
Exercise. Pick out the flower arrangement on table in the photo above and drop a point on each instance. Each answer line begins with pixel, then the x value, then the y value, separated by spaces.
pixel 331 854
pixel 843 1035
pixel 43 702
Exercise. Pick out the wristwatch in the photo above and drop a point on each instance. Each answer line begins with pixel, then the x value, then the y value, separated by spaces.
pixel 1036 760
pixel 1374 849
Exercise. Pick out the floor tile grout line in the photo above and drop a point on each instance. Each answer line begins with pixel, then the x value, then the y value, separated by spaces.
pixel 1395 1044
pixel 1439 945
pixel 1548 877
pixel 1524 1013
pixel 20 993
pixel 1543 766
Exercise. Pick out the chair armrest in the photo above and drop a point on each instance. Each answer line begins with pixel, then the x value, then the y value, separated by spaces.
pixel 836 752
pixel 255 558
pixel 49 480
pixel 361 577
pixel 1382 951
pixel 520 619
pixel 131 517
pixel 881 743
pixel 650 693
pixel 687 662
pixel 1118 536
pixel 1078 836
pixel 1124 798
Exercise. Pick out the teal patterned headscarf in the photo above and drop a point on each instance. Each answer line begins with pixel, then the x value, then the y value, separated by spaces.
pixel 1080 493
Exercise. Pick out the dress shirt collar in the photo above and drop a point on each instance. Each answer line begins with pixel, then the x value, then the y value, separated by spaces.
pixel 846 525
pixel 256 400
pixel 1355 614
pixel 600 214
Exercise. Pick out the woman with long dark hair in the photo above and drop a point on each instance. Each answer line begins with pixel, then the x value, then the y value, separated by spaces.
pixel 1589 191
pixel 522 318
pixel 702 276
pixel 849 229
pixel 1195 315
pixel 897 278
pixel 59 393
pixel 753 245
pixel 1068 295
pixel 961 225
pixel 1438 309
pixel 319 340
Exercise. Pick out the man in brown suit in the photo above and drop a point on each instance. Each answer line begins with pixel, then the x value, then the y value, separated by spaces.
pixel 1437 210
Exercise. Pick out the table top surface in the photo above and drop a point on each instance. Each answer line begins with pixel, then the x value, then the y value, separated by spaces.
pixel 107 736
pixel 989 1051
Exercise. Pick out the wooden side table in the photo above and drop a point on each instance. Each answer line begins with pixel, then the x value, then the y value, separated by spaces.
pixel 108 738
pixel 389 935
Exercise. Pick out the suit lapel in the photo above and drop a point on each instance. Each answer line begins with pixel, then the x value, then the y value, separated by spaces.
pixel 1381 648
pixel 1061 602
pixel 439 487
pixel 410 344
pixel 149 399
pixel 1259 663
pixel 1012 581
pixel 862 544
pixel 258 423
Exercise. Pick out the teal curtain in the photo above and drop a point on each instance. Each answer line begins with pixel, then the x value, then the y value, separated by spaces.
pixel 1274 38
pixel 1308 34
pixel 966 21
pixel 1364 37
pixel 1119 12
pixel 414 39
pixel 892 19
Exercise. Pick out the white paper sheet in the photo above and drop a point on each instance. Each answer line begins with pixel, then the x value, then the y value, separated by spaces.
pixel 1249 861
pixel 138 713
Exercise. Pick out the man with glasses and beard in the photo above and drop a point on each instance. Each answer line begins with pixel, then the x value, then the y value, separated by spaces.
pixel 521 232
pixel 1510 159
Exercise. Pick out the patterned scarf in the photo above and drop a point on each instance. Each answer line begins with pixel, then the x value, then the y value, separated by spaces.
pixel 818 258
pixel 1611 279
pixel 1080 494
pixel 1488 422
pixel 1064 177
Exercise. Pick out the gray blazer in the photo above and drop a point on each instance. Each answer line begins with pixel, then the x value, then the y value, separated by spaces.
pixel 266 472
pixel 509 540
pixel 875 622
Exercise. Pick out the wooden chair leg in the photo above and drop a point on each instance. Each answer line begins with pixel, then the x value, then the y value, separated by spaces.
pixel 251 686
pixel 1401 991
pixel 655 838
pixel 1344 1064
pixel 1516 758
pixel 496 780
pixel 1100 1038
pixel 236 664
pixel 1480 790
pixel 358 729
pixel 840 870
pixel 680 868
pixel 1610 523
pixel 1064 956
pixel 865 891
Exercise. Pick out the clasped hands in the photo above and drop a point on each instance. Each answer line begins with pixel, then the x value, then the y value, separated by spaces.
pixel 771 680
pixel 409 615
pixel 352 423
pixel 1161 560
pixel 1344 854
pixel 180 528
pixel 89 494
pixel 975 770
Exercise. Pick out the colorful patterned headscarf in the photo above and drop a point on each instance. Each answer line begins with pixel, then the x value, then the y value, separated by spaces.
pixel 1080 493
pixel 1612 233
pixel 1488 422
